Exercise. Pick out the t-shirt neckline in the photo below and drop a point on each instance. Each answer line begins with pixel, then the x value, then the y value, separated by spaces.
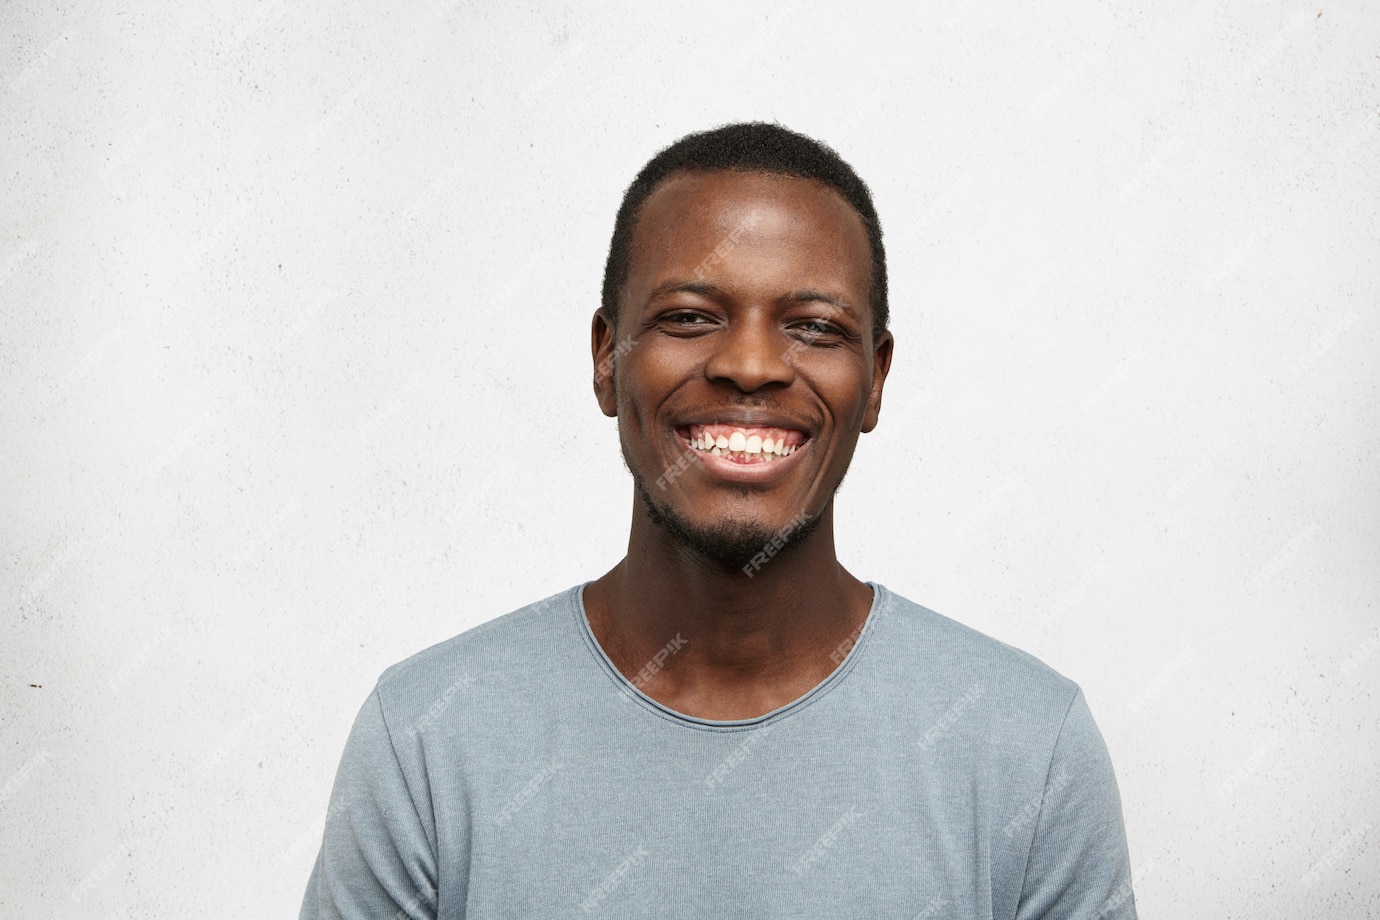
pixel 874 613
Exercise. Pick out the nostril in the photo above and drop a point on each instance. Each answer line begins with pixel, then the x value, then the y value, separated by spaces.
pixel 751 365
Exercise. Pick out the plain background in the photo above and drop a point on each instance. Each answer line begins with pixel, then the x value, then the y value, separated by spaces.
pixel 296 381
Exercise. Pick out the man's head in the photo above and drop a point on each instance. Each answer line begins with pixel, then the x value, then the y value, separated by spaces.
pixel 747 147
pixel 744 351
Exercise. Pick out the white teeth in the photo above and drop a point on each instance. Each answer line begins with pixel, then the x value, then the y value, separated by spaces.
pixel 739 442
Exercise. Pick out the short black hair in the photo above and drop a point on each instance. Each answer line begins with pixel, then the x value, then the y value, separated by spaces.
pixel 749 147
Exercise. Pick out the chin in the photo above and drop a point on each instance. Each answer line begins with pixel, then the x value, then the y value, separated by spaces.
pixel 729 544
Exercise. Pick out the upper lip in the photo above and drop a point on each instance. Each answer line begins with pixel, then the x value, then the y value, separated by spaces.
pixel 747 418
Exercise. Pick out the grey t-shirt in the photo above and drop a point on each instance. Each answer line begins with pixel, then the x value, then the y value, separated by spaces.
pixel 513 772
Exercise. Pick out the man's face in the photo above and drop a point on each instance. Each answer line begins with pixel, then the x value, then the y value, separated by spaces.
pixel 744 361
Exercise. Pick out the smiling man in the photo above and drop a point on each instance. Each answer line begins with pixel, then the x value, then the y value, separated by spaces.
pixel 728 723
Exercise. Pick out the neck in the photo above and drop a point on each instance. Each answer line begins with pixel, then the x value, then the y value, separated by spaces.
pixel 716 640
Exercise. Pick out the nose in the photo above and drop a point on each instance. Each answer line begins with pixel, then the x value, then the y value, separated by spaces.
pixel 751 354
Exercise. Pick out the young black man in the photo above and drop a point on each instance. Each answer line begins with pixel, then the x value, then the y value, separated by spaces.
pixel 728 723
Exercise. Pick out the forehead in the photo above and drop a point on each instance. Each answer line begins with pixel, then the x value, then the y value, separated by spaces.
pixel 697 222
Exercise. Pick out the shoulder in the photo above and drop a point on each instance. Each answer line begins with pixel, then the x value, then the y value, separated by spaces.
pixel 511 647
pixel 926 649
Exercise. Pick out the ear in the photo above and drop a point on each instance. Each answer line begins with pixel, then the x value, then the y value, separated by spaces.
pixel 601 337
pixel 881 363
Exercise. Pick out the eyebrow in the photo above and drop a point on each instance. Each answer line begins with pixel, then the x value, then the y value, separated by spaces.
pixel 714 292
pixel 687 287
pixel 812 296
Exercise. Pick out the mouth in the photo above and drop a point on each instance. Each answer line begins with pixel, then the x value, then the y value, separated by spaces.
pixel 743 444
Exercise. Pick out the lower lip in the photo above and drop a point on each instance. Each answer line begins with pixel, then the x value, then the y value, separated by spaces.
pixel 759 471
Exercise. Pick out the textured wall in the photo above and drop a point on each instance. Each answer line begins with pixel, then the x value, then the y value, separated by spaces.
pixel 295 382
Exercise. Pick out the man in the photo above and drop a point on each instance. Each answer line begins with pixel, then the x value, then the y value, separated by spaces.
pixel 728 723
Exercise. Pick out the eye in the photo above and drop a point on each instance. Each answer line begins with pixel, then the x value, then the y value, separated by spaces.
pixel 684 321
pixel 821 330
pixel 683 317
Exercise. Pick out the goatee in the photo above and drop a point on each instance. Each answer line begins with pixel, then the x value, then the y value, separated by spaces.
pixel 730 545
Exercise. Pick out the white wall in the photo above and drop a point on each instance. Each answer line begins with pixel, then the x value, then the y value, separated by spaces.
pixel 295 382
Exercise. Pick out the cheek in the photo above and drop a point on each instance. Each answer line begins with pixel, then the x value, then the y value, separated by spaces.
pixel 632 389
pixel 846 389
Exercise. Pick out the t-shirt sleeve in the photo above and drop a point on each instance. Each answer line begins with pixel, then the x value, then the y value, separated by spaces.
pixel 1079 866
pixel 376 859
